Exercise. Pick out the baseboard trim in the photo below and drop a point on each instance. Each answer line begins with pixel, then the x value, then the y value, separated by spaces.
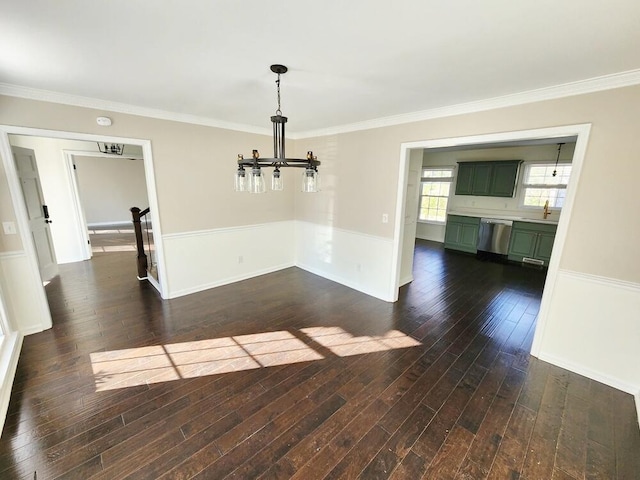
pixel 31 331
pixel 405 280
pixel 637 397
pixel 592 374
pixel 10 353
pixel 121 223
pixel 228 280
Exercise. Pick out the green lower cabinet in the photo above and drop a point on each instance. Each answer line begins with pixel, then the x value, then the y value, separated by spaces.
pixel 532 241
pixel 522 244
pixel 544 245
pixel 461 233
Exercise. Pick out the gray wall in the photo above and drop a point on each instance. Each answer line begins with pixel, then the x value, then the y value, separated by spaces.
pixel 109 187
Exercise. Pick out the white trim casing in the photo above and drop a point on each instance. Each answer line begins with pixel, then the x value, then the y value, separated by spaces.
pixel 89 153
pixel 582 133
pixel 81 221
pixel 80 216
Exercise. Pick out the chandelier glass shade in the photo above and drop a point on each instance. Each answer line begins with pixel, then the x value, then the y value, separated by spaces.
pixel 249 175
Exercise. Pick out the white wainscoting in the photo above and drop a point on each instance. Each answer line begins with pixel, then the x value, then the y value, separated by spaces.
pixel 10 347
pixel 200 260
pixel 594 329
pixel 196 261
pixel 359 261
pixel 26 303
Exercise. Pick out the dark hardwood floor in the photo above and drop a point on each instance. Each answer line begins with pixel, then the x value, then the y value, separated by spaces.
pixel 290 375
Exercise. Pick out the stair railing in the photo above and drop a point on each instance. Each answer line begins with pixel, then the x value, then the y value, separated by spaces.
pixel 140 216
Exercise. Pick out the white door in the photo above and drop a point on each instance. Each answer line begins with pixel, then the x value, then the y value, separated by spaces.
pixel 27 168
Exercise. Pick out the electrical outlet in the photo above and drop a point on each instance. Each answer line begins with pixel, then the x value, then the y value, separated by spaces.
pixel 9 228
pixel 240 259
pixel 385 218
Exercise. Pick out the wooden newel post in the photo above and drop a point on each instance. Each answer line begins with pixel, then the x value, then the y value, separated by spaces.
pixel 142 257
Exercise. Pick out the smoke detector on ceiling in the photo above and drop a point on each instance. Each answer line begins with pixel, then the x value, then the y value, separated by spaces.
pixel 104 121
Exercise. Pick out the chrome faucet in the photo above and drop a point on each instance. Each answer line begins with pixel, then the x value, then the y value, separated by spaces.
pixel 546 211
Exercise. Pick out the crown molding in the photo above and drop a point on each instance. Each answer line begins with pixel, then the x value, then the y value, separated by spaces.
pixel 105 105
pixel 591 85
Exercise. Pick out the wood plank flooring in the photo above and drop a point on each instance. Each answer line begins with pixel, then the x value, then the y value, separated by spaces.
pixel 290 375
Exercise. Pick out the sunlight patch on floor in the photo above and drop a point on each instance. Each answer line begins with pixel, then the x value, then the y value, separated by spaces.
pixel 344 344
pixel 161 363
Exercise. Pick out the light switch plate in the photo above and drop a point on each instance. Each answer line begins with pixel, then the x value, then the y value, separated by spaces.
pixel 9 228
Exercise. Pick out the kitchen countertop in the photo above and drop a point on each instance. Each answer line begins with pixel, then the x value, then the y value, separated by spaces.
pixel 505 217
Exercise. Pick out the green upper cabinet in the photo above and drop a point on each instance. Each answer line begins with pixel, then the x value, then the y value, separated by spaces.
pixel 489 179
pixel 464 182
pixel 503 179
pixel 482 179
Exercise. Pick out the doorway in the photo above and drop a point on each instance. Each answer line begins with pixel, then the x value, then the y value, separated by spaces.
pixel 400 245
pixel 105 187
pixel 35 295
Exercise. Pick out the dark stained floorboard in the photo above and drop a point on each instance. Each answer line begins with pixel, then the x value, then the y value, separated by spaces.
pixel 467 401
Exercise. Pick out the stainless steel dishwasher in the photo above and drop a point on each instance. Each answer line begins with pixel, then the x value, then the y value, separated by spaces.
pixel 494 235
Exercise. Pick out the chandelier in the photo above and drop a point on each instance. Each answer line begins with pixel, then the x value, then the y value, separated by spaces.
pixel 252 178
pixel 111 149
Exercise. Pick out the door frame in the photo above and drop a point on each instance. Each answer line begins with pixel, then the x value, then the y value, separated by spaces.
pixel 69 156
pixel 581 131
pixel 18 201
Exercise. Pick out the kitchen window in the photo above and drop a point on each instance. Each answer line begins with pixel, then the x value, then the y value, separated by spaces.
pixel 435 186
pixel 540 186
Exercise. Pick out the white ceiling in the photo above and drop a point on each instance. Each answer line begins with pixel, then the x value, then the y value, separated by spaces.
pixel 349 61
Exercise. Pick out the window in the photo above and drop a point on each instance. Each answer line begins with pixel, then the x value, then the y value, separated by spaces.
pixel 434 194
pixel 540 185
